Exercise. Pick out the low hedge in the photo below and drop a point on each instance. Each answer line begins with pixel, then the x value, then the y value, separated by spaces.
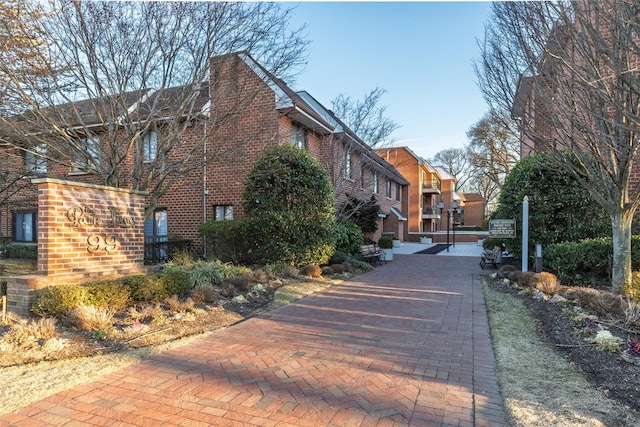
pixel 587 262
pixel 117 294
pixel 19 251
pixel 57 300
pixel 224 240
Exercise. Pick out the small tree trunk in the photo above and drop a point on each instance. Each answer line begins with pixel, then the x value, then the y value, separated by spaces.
pixel 621 265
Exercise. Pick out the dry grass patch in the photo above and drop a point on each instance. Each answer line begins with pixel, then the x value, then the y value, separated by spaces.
pixel 176 305
pixel 539 387
pixel 146 313
pixel 311 270
pixel 295 291
pixel 91 317
pixel 24 332
pixel 632 313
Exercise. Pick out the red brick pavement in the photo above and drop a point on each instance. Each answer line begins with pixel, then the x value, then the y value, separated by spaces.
pixel 406 344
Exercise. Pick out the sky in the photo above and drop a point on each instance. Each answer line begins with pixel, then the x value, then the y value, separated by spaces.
pixel 421 53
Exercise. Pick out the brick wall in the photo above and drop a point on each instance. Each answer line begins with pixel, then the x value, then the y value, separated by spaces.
pixel 83 228
pixel 184 200
pixel 473 213
pixel 247 124
pixel 20 194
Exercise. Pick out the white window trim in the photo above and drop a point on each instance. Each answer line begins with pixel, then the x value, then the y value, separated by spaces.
pixel 298 131
pixel 374 187
pixel 92 149
pixel 35 160
pixel 149 141
pixel 348 167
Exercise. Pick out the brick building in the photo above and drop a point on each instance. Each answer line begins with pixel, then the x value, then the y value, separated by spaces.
pixel 240 112
pixel 428 188
pixel 474 208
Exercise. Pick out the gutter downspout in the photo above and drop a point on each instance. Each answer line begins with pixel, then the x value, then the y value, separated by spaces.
pixel 205 191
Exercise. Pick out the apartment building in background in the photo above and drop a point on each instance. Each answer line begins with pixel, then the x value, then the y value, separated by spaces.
pixel 430 189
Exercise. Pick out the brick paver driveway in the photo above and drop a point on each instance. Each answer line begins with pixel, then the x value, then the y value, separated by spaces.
pixel 406 344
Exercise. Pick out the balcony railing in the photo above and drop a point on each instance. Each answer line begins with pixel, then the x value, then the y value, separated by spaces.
pixel 431 187
pixel 430 212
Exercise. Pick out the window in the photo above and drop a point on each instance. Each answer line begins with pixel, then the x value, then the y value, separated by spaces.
pixel 347 164
pixel 223 212
pixel 155 227
pixel 362 178
pixel 398 189
pixel 156 232
pixel 149 146
pixel 35 160
pixel 298 136
pixel 375 182
pixel 388 189
pixel 89 153
pixel 25 227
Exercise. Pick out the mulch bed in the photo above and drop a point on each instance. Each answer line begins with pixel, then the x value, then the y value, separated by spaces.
pixel 606 371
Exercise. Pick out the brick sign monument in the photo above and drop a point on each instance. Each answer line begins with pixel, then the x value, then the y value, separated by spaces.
pixel 85 233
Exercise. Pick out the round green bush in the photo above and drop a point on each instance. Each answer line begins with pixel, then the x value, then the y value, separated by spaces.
pixel 175 279
pixel 338 257
pixel 289 202
pixel 559 208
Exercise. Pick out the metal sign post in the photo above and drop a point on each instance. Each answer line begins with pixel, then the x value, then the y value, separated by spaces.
pixel 525 234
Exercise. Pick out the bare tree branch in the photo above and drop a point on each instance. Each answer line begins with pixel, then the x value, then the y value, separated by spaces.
pixel 118 72
pixel 367 117
pixel 493 149
pixel 456 162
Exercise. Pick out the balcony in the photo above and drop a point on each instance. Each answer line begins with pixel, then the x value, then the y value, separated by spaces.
pixel 430 212
pixel 431 187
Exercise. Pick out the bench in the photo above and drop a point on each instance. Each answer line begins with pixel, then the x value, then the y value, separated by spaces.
pixel 371 254
pixel 490 257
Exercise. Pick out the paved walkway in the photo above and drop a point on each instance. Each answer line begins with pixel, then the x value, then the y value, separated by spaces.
pixel 406 344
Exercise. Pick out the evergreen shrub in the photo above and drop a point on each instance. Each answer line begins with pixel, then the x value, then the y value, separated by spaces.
pixel 289 202
pixel 58 300
pixel 349 237
pixel 225 241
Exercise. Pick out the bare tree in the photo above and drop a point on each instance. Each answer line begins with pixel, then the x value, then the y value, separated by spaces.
pixel 569 71
pixel 456 162
pixel 366 118
pixel 366 127
pixel 488 189
pixel 21 41
pixel 493 148
pixel 128 81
